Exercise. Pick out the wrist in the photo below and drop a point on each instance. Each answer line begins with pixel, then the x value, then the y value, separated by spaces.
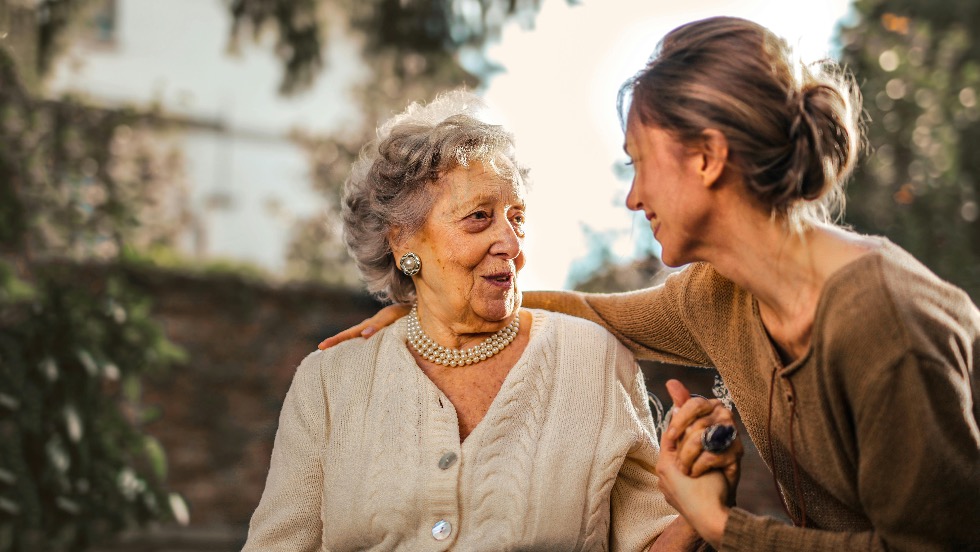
pixel 712 528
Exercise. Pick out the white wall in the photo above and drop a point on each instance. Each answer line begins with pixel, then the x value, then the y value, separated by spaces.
pixel 175 54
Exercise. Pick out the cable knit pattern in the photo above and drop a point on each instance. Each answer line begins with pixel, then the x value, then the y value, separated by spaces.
pixel 563 459
pixel 885 404
pixel 505 457
pixel 601 484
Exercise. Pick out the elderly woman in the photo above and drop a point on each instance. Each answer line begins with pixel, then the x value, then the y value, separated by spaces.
pixel 471 423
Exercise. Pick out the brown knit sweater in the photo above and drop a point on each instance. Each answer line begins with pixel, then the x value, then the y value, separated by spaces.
pixel 881 414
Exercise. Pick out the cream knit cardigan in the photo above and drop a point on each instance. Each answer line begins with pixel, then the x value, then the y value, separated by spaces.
pixel 564 459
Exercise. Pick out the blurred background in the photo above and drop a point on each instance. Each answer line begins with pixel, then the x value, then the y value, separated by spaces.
pixel 170 243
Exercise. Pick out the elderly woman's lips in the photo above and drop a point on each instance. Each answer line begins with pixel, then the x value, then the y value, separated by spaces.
pixel 499 280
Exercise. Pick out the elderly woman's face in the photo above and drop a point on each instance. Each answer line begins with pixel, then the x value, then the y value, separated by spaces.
pixel 471 248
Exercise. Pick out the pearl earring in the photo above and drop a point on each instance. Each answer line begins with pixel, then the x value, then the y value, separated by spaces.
pixel 410 264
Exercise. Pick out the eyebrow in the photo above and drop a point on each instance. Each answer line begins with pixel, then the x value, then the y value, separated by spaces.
pixel 485 198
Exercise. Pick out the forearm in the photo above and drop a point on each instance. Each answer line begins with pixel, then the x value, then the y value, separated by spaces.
pixel 678 536
pixel 747 532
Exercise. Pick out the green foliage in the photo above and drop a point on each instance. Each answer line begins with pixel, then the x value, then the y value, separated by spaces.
pixel 75 468
pixel 79 181
pixel 918 65
pixel 170 259
pixel 55 18
pixel 424 35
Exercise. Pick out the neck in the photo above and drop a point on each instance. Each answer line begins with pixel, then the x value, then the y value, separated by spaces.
pixel 455 331
pixel 785 271
pixel 777 266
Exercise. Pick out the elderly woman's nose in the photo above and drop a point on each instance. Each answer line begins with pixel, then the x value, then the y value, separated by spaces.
pixel 507 240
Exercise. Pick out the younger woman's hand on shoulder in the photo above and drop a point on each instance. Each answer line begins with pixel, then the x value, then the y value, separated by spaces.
pixel 384 317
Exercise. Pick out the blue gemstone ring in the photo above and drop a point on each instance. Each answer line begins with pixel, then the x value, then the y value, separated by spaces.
pixel 717 438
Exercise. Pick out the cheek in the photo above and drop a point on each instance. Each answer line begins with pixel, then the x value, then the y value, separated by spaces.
pixel 644 183
pixel 461 256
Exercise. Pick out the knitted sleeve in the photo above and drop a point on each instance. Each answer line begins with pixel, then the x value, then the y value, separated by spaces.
pixel 746 532
pixel 638 510
pixel 288 514
pixel 650 322
pixel 918 469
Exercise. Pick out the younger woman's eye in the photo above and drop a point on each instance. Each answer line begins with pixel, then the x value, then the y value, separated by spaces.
pixel 628 163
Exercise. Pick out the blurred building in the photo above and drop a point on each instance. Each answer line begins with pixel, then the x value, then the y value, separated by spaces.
pixel 246 180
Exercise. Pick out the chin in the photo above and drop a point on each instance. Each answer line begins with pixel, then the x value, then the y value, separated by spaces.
pixel 671 258
pixel 500 308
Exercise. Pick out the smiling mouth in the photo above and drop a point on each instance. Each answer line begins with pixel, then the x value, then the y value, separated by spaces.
pixel 503 279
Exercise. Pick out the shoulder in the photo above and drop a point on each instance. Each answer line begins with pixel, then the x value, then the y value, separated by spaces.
pixel 584 346
pixel 889 303
pixel 704 293
pixel 571 329
pixel 349 362
pixel 713 308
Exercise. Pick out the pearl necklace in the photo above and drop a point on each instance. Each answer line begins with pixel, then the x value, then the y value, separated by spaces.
pixel 445 356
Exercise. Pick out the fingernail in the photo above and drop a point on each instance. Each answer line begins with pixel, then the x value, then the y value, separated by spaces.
pixel 321 346
pixel 367 332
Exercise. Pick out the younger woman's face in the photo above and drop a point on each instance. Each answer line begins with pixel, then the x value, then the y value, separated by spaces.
pixel 668 188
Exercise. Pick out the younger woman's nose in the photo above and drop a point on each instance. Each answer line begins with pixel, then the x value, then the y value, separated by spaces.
pixel 632 201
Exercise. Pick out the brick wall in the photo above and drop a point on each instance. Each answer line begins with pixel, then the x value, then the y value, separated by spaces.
pixel 218 412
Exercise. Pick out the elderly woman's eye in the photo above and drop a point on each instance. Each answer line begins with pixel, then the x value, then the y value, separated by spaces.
pixel 518 222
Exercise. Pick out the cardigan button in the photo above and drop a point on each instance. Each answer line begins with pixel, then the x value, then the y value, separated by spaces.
pixel 441 530
pixel 447 460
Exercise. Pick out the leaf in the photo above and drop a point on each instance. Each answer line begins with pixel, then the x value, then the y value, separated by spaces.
pixel 157 457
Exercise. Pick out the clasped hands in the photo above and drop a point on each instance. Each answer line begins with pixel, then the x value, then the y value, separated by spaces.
pixel 699 484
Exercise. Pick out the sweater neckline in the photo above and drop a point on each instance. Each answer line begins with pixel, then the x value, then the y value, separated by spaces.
pixel 833 283
pixel 539 321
